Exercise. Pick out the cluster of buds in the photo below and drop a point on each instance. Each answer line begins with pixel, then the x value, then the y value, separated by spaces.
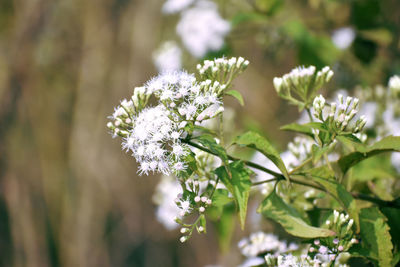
pixel 194 200
pixel 188 229
pixel 301 147
pixel 259 243
pixel 222 69
pixel 304 82
pixel 292 260
pixel 124 114
pixel 394 85
pixel 328 249
pixel 340 115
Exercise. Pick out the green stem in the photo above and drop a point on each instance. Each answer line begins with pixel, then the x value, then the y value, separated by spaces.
pixel 301 165
pixel 248 163
pixel 264 181
pixel 309 114
pixel 221 128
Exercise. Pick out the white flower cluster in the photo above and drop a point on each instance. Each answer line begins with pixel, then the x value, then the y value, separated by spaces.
pixel 202 29
pixel 164 197
pixel 222 69
pixel 341 114
pixel 151 140
pixel 304 81
pixel 343 37
pixel 328 250
pixel 175 6
pixel 188 99
pixel 172 206
pixel 153 134
pixel 168 57
pixel 288 260
pixel 260 243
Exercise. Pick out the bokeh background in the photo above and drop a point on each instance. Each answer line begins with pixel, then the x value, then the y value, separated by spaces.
pixel 68 195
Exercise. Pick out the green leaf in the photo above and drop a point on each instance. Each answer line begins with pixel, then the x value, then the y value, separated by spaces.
pixel 276 209
pixel 243 17
pixel 318 152
pixel 256 141
pixel 325 178
pixel 220 199
pixel 236 94
pixel 225 227
pixel 387 144
pixel 349 137
pixel 191 166
pixel 375 236
pixel 204 130
pixel 298 128
pixel 239 185
pixel 209 142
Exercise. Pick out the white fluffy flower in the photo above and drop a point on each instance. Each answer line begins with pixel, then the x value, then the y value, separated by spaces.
pixel 168 57
pixel 151 138
pixel 343 37
pixel 394 84
pixel 166 191
pixel 175 6
pixel 260 242
pixel 202 29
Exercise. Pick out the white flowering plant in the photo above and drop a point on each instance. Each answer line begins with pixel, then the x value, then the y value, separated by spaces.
pixel 333 188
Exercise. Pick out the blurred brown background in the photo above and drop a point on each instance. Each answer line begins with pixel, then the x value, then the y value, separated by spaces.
pixel 68 195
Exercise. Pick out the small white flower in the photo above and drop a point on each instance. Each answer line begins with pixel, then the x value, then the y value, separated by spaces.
pixel 202 29
pixel 343 37
pixel 168 57
pixel 185 207
pixel 178 150
pixel 174 6
pixel 175 135
pixel 179 166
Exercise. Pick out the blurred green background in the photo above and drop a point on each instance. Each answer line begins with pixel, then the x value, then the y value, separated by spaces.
pixel 68 195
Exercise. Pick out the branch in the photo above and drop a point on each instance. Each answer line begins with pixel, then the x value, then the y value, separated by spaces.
pixel 248 163
pixel 278 177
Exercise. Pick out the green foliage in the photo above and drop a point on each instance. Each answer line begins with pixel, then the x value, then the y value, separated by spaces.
pixel 238 184
pixel 222 213
pixel 376 240
pixel 209 142
pixel 313 49
pixel 299 128
pixel 362 152
pixel 275 208
pixel 325 178
pixel 256 141
pixel 236 94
